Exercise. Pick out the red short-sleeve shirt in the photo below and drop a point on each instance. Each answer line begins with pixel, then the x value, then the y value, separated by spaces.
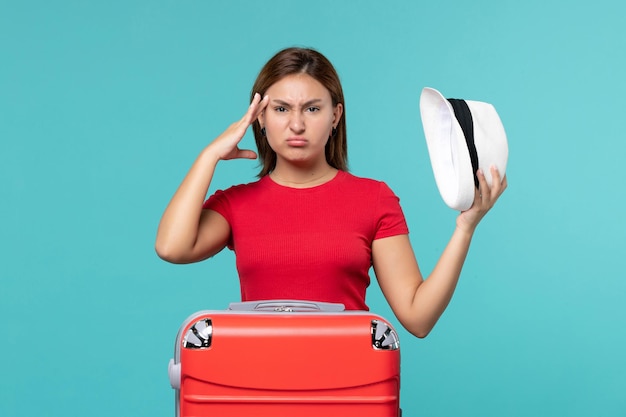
pixel 308 243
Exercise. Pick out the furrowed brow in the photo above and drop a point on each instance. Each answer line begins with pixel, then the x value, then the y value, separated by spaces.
pixel 305 104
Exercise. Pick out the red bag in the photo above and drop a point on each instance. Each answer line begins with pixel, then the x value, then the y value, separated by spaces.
pixel 279 358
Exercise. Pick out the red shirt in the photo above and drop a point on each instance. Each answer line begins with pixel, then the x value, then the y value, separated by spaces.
pixel 308 243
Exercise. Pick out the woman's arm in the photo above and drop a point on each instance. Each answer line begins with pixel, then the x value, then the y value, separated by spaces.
pixel 187 233
pixel 418 303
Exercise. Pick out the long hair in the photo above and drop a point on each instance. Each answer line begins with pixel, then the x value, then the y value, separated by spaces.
pixel 301 61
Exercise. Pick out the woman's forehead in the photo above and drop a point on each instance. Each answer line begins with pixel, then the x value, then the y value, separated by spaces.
pixel 298 88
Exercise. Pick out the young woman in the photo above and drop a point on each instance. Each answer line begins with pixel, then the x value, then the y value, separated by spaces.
pixel 308 229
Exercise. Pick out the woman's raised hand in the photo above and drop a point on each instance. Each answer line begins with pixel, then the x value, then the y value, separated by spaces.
pixel 484 199
pixel 226 145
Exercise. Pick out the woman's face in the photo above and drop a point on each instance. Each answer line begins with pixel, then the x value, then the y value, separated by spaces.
pixel 299 119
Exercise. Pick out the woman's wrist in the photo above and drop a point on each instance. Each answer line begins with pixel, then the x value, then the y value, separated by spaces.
pixel 209 156
pixel 465 231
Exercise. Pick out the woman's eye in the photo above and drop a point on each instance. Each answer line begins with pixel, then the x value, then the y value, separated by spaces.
pixel 313 109
pixel 280 109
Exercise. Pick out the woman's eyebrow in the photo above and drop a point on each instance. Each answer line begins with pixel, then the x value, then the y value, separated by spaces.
pixel 305 104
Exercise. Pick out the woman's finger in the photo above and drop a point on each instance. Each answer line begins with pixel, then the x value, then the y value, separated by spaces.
pixel 260 107
pixel 256 107
pixel 249 117
pixel 505 183
pixel 483 187
pixel 247 154
pixel 496 181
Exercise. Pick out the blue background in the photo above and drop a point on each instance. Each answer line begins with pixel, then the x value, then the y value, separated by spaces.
pixel 105 105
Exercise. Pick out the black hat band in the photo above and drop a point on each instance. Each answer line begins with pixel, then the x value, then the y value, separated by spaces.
pixel 464 116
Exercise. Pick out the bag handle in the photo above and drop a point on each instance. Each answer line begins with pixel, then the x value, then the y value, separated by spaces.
pixel 287 306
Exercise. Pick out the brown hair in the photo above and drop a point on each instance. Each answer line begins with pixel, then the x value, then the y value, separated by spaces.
pixel 301 61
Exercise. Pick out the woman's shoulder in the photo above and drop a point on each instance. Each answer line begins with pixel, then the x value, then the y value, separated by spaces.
pixel 244 190
pixel 364 182
pixel 349 176
pixel 243 187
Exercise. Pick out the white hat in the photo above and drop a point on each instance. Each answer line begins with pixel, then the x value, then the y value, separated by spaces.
pixel 462 136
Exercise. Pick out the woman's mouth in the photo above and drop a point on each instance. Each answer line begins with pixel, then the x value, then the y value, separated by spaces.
pixel 297 141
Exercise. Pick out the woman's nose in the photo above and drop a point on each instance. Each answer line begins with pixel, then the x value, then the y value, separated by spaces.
pixel 296 123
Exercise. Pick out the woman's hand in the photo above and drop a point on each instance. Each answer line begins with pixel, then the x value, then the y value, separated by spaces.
pixel 226 145
pixel 484 199
pixel 187 233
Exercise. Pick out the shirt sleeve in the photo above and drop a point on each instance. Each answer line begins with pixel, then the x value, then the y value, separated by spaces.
pixel 391 220
pixel 219 202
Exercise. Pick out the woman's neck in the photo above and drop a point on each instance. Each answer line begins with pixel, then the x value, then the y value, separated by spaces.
pixel 303 178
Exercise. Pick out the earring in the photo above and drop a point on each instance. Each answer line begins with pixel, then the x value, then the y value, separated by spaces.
pixel 333 133
pixel 263 131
